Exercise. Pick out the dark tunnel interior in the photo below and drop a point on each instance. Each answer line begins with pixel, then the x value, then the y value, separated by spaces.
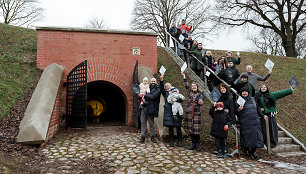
pixel 111 97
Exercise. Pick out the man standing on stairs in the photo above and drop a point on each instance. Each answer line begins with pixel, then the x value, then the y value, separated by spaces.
pixel 229 57
pixel 196 66
pixel 267 103
pixel 253 78
pixel 168 120
pixel 150 111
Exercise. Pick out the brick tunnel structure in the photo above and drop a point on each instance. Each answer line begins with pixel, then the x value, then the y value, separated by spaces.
pixel 111 56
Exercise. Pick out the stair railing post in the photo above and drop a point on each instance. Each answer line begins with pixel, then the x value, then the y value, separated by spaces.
pixel 268 136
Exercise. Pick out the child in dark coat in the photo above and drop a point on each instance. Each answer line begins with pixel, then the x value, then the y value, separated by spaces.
pixel 220 124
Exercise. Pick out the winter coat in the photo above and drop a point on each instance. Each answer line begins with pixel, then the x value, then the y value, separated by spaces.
pixel 228 104
pixel 275 96
pixel 152 100
pixel 250 129
pixel 234 60
pixel 195 64
pixel 220 119
pixel 252 79
pixel 193 122
pixel 173 31
pixel 184 28
pixel 168 120
pixel 229 75
pixel 239 85
pixel 209 61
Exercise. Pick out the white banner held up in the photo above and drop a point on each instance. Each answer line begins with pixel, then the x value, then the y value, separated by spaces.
pixel 269 64
pixel 183 68
pixel 240 101
pixel 162 70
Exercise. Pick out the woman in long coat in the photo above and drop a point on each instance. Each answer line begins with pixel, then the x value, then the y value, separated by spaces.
pixel 193 122
pixel 250 131
pixel 168 120
pixel 267 102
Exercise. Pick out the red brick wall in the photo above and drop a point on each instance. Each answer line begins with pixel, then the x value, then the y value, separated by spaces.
pixel 110 58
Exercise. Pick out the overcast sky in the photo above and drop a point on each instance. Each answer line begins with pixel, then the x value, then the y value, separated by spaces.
pixel 117 15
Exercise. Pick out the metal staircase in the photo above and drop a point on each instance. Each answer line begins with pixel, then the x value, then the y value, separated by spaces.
pixel 190 73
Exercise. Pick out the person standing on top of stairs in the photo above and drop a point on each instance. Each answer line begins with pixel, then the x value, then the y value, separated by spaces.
pixel 229 57
pixel 267 102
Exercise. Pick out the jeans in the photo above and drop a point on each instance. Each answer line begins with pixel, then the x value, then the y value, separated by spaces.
pixel 143 120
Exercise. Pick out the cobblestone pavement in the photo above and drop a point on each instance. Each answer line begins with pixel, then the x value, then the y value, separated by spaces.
pixel 120 146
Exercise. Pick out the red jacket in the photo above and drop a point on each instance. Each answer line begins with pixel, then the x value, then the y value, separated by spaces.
pixel 185 28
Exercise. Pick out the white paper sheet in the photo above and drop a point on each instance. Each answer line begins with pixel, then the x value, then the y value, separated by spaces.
pixel 181 38
pixel 269 64
pixel 238 54
pixel 162 70
pixel 207 73
pixel 183 68
pixel 240 101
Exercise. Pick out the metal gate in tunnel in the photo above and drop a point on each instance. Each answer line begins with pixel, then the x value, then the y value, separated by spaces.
pixel 76 97
pixel 135 98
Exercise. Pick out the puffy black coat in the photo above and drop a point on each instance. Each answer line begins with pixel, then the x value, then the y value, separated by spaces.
pixel 250 130
pixel 168 120
pixel 229 75
pixel 220 119
pixel 228 104
pixel 152 99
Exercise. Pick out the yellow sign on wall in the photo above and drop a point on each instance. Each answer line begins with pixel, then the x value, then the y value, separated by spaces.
pixel 136 51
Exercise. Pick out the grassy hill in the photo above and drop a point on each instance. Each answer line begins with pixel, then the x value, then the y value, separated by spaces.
pixel 292 114
pixel 17 64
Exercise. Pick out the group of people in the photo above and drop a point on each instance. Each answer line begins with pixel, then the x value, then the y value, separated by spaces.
pixel 259 105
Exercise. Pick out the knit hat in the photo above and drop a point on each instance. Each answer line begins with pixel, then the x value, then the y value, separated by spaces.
pixel 174 90
pixel 220 104
pixel 244 89
pixel 244 76
pixel 146 78
pixel 228 52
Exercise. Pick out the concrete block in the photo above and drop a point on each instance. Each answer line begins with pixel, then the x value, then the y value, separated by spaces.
pixel 33 128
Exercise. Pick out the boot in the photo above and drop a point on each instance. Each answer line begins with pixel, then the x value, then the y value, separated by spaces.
pixel 153 139
pixel 192 146
pixel 142 139
pixel 225 153
pixel 197 140
pixel 219 154
pixel 171 141
pixel 171 136
pixel 179 137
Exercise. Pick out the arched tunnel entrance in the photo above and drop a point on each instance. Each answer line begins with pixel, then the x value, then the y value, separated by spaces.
pixel 106 103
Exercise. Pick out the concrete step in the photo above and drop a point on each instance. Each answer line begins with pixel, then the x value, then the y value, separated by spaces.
pixel 281 134
pixel 284 140
pixel 286 148
pixel 290 154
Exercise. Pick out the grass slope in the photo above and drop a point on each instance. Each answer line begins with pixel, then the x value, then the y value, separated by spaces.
pixel 292 115
pixel 17 64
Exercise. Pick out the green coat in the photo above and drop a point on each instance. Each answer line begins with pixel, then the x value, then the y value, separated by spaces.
pixel 195 65
pixel 235 61
pixel 275 96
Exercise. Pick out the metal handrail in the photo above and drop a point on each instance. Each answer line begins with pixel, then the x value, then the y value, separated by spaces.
pixel 210 70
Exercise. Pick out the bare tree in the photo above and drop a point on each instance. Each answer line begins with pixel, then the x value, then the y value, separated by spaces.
pixel 284 17
pixel 158 15
pixel 96 22
pixel 268 42
pixel 20 12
